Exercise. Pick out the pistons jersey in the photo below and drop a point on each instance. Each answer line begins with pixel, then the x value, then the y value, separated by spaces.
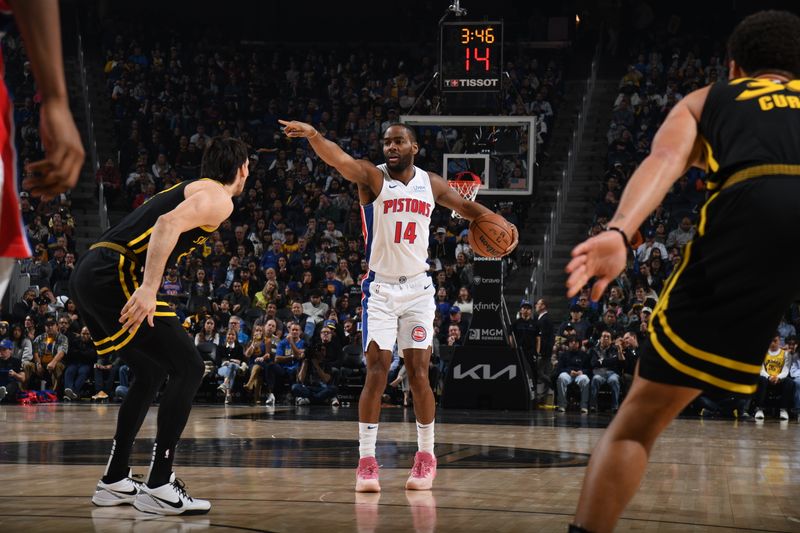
pixel 396 225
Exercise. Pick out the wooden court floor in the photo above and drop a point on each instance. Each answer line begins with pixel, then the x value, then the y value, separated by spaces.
pixel 289 469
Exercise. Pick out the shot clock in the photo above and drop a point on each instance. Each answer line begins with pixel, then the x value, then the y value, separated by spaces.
pixel 471 56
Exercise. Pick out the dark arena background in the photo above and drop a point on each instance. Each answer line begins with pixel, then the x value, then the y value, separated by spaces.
pixel 548 106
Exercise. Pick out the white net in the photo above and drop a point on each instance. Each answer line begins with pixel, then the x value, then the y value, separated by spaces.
pixel 467 185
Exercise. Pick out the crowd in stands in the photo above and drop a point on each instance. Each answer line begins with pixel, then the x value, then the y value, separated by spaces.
pixel 273 298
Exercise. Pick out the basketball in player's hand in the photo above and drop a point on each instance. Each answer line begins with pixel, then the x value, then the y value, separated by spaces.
pixel 491 235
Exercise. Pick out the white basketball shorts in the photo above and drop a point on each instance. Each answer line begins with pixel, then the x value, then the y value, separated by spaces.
pixel 397 309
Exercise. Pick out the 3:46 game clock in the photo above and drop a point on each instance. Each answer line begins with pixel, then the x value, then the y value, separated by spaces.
pixel 471 56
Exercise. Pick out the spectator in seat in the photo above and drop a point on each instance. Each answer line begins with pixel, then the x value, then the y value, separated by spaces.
pixel 454 319
pixel 260 357
pixel 682 234
pixel 108 175
pixel 238 300
pixel 526 333
pixel 11 375
pixel 606 368
pixel 775 377
pixel 333 286
pixel 786 330
pixel 230 356
pixel 288 356
pixel 628 347
pixel 49 350
pixel 22 349
pixel 104 370
pixel 650 243
pixel 454 337
pixel 573 367
pixel 235 324
pixel 315 383
pixel 442 247
pixel 78 361
pixel 576 320
pixel 316 309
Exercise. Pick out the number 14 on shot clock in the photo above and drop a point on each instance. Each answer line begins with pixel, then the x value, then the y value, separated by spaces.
pixel 471 56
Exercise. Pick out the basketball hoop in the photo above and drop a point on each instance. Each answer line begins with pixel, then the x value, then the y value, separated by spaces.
pixel 466 184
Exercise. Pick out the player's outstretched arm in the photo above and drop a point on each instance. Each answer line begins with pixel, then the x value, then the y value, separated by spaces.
pixel 38 22
pixel 675 148
pixel 207 207
pixel 361 172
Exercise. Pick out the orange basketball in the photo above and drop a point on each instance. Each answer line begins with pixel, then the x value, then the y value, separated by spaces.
pixel 491 235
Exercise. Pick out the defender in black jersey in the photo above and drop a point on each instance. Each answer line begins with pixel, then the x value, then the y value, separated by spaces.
pixel 115 285
pixel 718 311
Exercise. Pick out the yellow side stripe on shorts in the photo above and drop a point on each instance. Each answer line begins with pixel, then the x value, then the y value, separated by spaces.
pixel 704 355
pixel 701 228
pixel 113 337
pixel 133 276
pixel 122 344
pixel 164 313
pixel 699 374
pixel 122 277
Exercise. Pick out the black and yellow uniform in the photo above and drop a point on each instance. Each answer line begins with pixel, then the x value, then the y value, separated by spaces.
pixel 109 273
pixel 103 281
pixel 721 306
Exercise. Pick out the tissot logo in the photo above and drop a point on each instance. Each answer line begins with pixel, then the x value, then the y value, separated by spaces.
pixel 481 306
pixel 494 82
pixel 484 372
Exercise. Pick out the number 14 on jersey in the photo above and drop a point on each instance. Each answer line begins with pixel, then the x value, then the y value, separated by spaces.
pixel 409 234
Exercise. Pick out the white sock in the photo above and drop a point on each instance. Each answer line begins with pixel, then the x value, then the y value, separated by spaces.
pixel 425 437
pixel 367 436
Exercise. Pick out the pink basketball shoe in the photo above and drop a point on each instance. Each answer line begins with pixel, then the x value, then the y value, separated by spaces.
pixel 423 472
pixel 367 475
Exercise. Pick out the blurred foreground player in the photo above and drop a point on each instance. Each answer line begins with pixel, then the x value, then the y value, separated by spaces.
pixel 397 199
pixel 39 24
pixel 109 289
pixel 746 133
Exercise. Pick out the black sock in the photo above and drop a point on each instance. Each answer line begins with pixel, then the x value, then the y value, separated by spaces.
pixel 161 466
pixel 577 529
pixel 117 467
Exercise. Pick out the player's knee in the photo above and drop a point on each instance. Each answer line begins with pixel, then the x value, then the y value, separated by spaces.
pixel 418 381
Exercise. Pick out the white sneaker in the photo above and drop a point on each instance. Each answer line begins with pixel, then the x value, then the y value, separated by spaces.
pixel 270 399
pixel 302 401
pixel 3 392
pixel 169 499
pixel 784 414
pixel 335 402
pixel 69 393
pixel 123 492
pixel 759 414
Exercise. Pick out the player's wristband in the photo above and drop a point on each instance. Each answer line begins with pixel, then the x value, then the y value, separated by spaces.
pixel 624 237
pixel 316 132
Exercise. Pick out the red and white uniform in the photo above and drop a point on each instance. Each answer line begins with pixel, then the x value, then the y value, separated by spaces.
pixel 397 293
pixel 13 243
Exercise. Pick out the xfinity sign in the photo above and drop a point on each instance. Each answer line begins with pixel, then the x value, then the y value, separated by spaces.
pixel 484 372
pixel 482 306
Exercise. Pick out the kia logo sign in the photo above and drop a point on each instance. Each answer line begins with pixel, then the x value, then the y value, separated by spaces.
pixel 484 372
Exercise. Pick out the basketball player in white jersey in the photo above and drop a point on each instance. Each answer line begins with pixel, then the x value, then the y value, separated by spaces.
pixel 397 199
